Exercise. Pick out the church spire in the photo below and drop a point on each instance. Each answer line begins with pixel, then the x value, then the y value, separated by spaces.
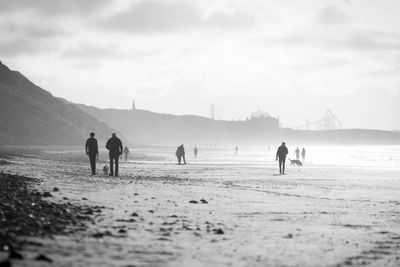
pixel 133 105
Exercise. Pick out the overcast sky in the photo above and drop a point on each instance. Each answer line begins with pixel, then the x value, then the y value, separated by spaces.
pixel 290 58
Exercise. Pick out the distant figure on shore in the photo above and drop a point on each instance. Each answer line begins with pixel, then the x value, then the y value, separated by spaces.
pixel 92 151
pixel 303 154
pixel 281 155
pixel 114 145
pixel 297 153
pixel 195 151
pixel 236 150
pixel 180 153
pixel 126 152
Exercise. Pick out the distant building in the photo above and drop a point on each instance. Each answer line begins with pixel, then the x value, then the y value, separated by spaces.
pixel 259 114
pixel 133 105
pixel 259 117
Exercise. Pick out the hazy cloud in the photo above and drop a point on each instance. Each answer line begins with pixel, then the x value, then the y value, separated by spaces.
pixel 373 41
pixel 332 15
pixel 30 31
pixel 53 6
pixel 91 51
pixel 157 16
pixel 21 46
pixel 24 38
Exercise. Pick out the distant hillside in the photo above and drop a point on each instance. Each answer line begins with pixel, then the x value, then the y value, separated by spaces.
pixel 145 127
pixel 30 115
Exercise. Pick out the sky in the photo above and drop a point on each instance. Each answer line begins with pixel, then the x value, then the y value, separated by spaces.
pixel 290 58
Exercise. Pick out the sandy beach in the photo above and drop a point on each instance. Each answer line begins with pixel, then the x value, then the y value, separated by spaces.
pixel 220 210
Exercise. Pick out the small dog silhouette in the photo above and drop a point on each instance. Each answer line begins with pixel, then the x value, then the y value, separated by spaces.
pixel 295 162
pixel 105 169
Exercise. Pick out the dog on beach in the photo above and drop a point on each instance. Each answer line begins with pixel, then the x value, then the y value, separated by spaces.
pixel 105 169
pixel 295 162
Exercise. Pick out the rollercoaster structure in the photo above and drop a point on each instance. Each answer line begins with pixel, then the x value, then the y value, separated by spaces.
pixel 328 122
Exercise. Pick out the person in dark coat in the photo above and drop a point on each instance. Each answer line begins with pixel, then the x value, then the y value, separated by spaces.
pixel 281 155
pixel 180 153
pixel 114 145
pixel 92 151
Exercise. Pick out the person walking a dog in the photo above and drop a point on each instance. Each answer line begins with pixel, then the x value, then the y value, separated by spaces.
pixel 92 151
pixel 281 155
pixel 114 145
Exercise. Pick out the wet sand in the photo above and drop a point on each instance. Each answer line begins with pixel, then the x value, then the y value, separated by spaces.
pixel 160 214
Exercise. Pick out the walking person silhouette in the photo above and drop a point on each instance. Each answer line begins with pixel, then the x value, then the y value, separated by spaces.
pixel 297 153
pixel 114 145
pixel 281 155
pixel 92 151
pixel 126 152
pixel 180 154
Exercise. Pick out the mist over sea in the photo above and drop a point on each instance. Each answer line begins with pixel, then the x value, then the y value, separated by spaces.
pixel 349 156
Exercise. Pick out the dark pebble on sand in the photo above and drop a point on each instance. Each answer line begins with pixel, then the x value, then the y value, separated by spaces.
pixel 89 211
pixel 99 234
pixel 122 231
pixel 151 211
pixel 135 214
pixel 84 198
pixel 193 202
pixel 288 236
pixel 203 201
pixel 42 257
pixel 47 194
pixel 218 231
pixel 55 189
pixel 123 220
